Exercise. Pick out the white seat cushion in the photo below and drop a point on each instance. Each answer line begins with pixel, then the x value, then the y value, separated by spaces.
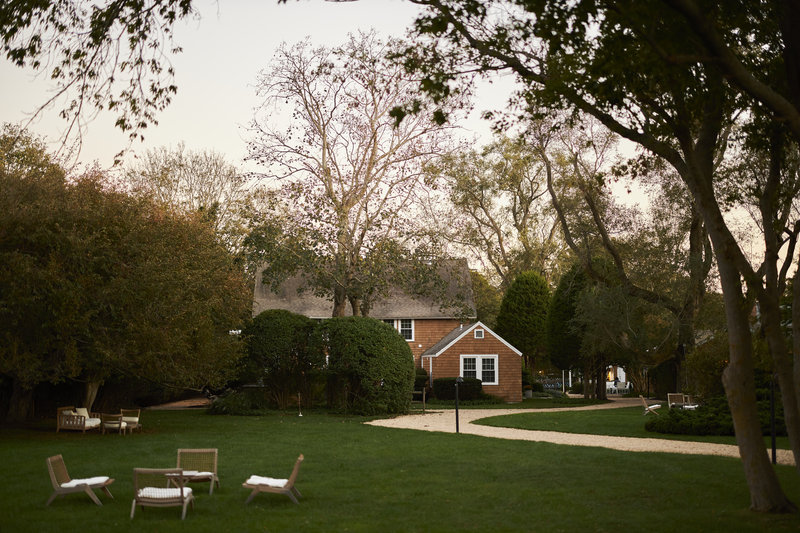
pixel 92 422
pixel 195 473
pixel 156 493
pixel 131 419
pixel 113 425
pixel 97 480
pixel 271 482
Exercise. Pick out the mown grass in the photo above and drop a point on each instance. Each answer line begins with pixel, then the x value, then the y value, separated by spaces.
pixel 365 478
pixel 617 422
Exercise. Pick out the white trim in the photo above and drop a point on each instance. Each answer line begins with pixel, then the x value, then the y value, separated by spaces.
pixel 479 366
pixel 466 331
pixel 396 322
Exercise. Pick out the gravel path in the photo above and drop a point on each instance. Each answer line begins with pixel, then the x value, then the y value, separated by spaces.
pixel 443 420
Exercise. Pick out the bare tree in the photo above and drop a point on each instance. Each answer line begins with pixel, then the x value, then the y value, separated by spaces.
pixel 349 177
pixel 502 209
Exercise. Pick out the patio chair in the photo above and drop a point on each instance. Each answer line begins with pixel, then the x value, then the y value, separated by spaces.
pixel 277 486
pixel 131 418
pixel 689 402
pixel 649 408
pixel 622 387
pixel 199 464
pixel 63 484
pixel 160 487
pixel 674 399
pixel 113 423
pixel 68 417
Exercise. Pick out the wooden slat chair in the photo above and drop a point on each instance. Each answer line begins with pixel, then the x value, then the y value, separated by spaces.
pixel 63 484
pixel 199 464
pixel 160 487
pixel 277 486
pixel 113 424
pixel 131 418
pixel 674 399
pixel 68 417
pixel 649 408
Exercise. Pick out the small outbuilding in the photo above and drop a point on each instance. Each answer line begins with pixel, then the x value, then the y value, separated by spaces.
pixel 475 351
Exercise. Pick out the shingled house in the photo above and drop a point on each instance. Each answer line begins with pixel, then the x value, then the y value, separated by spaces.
pixel 436 334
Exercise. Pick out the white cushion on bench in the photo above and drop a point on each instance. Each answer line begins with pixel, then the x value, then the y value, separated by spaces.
pixel 195 473
pixel 156 493
pixel 272 482
pixel 97 480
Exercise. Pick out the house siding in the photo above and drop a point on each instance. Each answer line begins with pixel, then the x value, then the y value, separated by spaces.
pixel 428 332
pixel 448 364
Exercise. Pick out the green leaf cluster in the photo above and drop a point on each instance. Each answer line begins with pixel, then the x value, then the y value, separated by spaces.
pixel 371 368
pixel 523 312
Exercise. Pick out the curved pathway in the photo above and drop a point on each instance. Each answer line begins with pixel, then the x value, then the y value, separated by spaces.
pixel 443 420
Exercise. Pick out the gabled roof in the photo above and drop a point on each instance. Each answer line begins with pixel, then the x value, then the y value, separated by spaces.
pixel 398 303
pixel 459 333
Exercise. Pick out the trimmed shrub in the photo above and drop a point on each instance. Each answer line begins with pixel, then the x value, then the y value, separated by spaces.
pixel 371 368
pixel 247 401
pixel 470 389
pixel 279 355
pixel 537 386
pixel 420 379
pixel 577 387
pixel 711 418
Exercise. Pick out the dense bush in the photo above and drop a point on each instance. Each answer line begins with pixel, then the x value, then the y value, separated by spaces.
pixel 537 386
pixel 279 355
pixel 711 418
pixel 371 368
pixel 246 401
pixel 577 387
pixel 445 389
pixel 421 379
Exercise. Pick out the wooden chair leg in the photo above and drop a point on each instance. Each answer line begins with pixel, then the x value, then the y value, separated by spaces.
pixel 92 495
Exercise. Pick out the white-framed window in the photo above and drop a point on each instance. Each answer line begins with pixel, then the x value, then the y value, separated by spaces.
pixel 482 367
pixel 478 333
pixel 404 325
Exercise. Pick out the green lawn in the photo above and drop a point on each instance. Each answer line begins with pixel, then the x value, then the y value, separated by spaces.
pixel 365 478
pixel 618 422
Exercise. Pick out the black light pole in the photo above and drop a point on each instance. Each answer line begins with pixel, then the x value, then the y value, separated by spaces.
pixel 459 380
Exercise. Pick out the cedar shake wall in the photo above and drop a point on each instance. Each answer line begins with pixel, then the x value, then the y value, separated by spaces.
pixel 428 332
pixel 447 364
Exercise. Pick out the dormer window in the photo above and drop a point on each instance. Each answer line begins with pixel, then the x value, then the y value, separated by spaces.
pixel 405 326
pixel 478 333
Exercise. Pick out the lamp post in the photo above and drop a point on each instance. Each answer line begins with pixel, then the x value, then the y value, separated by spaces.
pixel 459 380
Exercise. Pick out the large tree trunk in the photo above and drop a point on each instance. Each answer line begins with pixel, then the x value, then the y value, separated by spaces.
pixel 20 405
pixel 771 320
pixel 796 329
pixel 339 301
pixel 766 494
pixel 92 388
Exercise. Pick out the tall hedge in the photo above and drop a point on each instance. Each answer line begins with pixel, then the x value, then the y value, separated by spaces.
pixel 280 355
pixel 523 313
pixel 370 365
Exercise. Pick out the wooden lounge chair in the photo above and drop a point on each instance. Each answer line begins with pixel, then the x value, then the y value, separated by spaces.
pixel 277 486
pixel 131 418
pixel 649 408
pixel 160 487
pixel 63 484
pixel 689 402
pixel 68 417
pixel 113 424
pixel 674 399
pixel 199 464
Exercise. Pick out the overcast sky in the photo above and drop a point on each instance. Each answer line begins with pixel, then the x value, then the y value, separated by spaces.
pixel 222 53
